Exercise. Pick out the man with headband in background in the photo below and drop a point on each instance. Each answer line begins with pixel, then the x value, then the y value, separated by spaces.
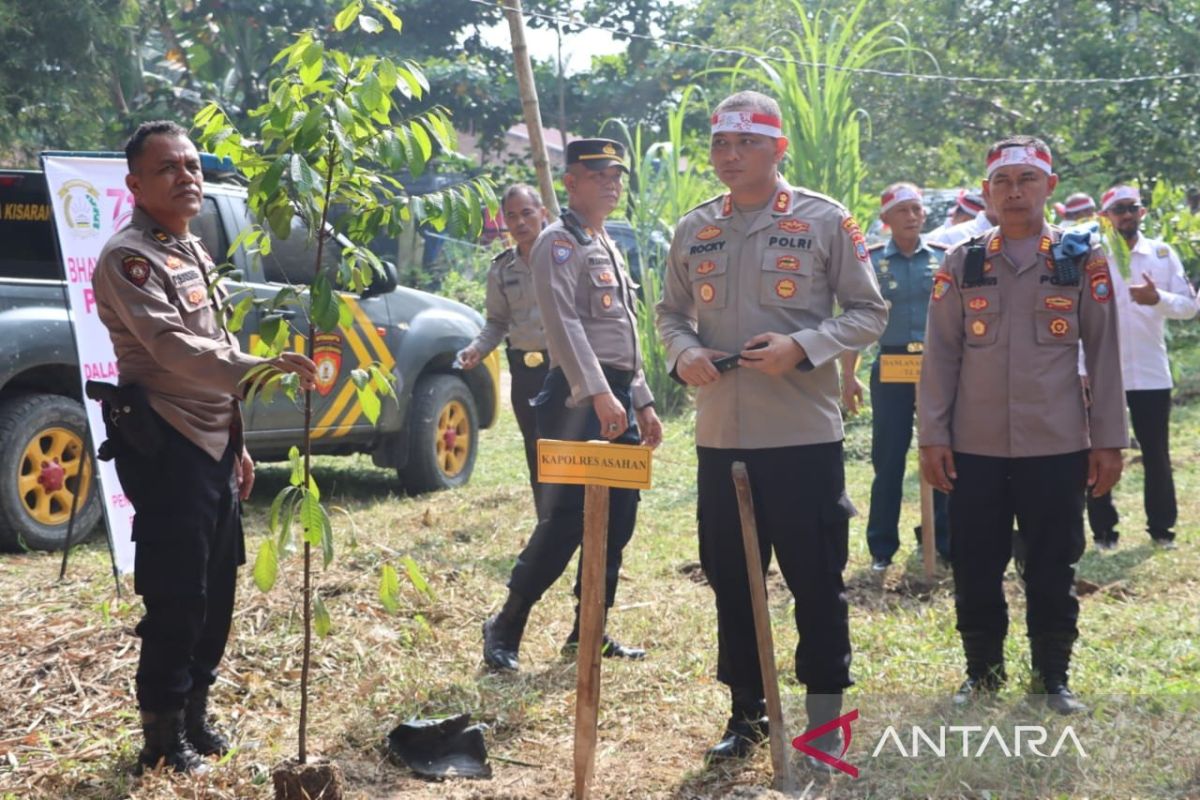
pixel 904 267
pixel 755 273
pixel 1003 426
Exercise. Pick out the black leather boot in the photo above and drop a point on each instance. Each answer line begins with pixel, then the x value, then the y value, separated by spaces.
pixel 746 728
pixel 985 667
pixel 1051 658
pixel 166 746
pixel 502 633
pixel 821 708
pixel 609 647
pixel 204 738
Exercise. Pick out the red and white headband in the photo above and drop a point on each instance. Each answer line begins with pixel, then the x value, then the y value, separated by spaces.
pixel 747 122
pixel 1119 193
pixel 1028 156
pixel 1084 203
pixel 900 194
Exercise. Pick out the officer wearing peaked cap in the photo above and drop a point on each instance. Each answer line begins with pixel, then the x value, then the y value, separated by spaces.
pixel 756 272
pixel 1002 421
pixel 595 389
pixel 153 295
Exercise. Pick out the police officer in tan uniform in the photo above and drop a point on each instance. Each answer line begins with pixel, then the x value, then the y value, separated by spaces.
pixel 595 389
pixel 1002 422
pixel 512 314
pixel 154 294
pixel 755 273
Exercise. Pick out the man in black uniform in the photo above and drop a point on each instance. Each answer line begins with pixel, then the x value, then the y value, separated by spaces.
pixel 595 388
pixel 176 435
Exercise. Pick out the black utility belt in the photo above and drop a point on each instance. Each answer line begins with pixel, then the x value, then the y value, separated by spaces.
pixel 895 349
pixel 531 359
pixel 618 377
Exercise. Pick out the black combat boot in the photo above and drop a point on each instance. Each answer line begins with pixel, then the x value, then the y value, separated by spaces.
pixel 502 633
pixel 1051 657
pixel 985 667
pixel 204 738
pixel 609 647
pixel 166 746
pixel 746 728
pixel 823 707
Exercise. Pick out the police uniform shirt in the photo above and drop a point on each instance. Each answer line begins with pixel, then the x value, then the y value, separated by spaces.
pixel 587 304
pixel 999 377
pixel 781 272
pixel 152 294
pixel 511 306
pixel 1144 362
pixel 905 282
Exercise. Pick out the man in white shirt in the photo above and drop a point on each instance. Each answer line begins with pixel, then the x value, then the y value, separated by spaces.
pixel 1150 291
pixel 980 223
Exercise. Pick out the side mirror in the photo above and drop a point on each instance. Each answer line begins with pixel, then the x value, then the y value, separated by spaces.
pixel 386 282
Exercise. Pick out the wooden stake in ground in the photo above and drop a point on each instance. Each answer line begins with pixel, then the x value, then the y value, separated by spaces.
pixel 591 633
pixel 596 466
pixel 530 107
pixel 927 529
pixel 762 631
pixel 906 368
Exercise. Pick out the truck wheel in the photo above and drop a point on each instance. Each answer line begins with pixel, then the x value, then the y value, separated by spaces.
pixel 444 436
pixel 41 452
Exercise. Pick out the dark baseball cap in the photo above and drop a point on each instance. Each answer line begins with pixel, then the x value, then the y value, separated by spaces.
pixel 597 154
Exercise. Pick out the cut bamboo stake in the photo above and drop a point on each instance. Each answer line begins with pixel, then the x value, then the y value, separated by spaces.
pixel 927 531
pixel 591 632
pixel 782 781
pixel 530 107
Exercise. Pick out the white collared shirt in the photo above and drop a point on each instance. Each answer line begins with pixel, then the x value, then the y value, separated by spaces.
pixel 1144 362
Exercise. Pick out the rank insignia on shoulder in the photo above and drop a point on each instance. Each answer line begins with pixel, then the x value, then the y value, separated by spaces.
pixel 1163 251
pixel 995 244
pixel 1101 288
pixel 561 250
pixel 793 226
pixel 137 269
pixel 708 232
pixel 160 235
pixel 1044 245
pixel 727 206
pixel 783 201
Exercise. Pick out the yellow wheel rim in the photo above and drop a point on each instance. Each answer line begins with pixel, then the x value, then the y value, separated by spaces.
pixel 50 476
pixel 453 438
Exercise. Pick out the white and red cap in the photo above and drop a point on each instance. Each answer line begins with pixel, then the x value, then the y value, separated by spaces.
pixel 969 202
pixel 747 122
pixel 1078 203
pixel 1024 155
pixel 894 196
pixel 1119 193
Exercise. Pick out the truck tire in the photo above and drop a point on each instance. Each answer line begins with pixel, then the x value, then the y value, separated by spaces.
pixel 443 437
pixel 41 451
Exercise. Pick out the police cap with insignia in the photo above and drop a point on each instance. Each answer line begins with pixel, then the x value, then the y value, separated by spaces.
pixel 597 154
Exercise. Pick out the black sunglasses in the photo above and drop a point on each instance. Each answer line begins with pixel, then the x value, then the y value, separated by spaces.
pixel 1124 208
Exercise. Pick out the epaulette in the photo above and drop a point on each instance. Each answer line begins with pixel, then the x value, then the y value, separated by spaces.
pixel 819 196
pixel 709 201
pixel 505 253
pixel 573 226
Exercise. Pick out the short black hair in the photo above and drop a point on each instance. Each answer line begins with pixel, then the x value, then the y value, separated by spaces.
pixel 1019 141
pixel 137 142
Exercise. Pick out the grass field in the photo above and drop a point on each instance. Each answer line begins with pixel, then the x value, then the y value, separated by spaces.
pixel 68 728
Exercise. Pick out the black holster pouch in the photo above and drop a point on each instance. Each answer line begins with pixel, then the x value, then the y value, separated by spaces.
pixel 131 425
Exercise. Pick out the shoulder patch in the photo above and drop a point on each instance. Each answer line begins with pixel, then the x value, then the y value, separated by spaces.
pixel 941 285
pixel 137 269
pixel 561 250
pixel 1101 287
pixel 1163 251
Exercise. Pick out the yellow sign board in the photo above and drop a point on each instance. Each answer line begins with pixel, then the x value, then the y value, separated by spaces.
pixel 900 368
pixel 621 466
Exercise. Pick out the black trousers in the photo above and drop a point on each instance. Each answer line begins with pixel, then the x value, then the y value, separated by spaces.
pixel 1150 413
pixel 1045 496
pixel 188 530
pixel 803 515
pixel 526 383
pixel 892 409
pixel 559 531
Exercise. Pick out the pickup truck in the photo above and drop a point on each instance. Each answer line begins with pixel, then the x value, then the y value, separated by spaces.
pixel 429 435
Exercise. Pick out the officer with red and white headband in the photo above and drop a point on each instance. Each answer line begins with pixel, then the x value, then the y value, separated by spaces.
pixel 1003 426
pixel 755 273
